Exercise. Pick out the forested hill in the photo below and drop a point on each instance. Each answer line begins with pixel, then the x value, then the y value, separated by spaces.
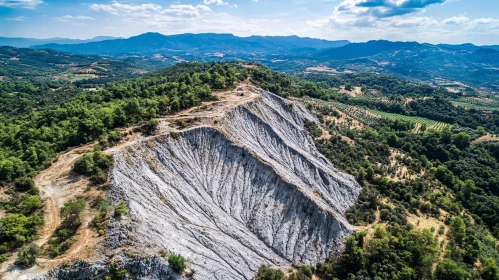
pixel 48 64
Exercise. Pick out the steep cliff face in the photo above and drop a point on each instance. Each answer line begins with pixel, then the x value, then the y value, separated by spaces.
pixel 250 190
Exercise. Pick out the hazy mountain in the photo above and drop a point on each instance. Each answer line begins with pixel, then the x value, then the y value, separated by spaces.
pixel 28 42
pixel 201 44
pixel 463 47
pixel 357 50
pixel 425 62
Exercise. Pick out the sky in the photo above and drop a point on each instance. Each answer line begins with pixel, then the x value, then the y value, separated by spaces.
pixel 432 21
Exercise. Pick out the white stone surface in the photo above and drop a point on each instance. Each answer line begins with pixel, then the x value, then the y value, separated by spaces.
pixel 253 190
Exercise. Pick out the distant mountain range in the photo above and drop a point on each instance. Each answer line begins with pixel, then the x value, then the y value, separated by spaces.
pixel 28 42
pixel 198 44
pixel 437 64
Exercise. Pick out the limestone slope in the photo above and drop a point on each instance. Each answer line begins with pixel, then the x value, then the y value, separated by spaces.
pixel 250 190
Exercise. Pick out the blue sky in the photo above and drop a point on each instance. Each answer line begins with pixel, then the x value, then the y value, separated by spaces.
pixel 434 21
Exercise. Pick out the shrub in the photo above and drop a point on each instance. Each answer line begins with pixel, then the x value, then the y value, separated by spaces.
pixel 114 136
pixel 101 160
pixel 24 184
pixel 149 127
pixel 63 234
pixel 117 273
pixel 71 212
pixel 28 254
pixel 174 135
pixel 304 269
pixel 121 209
pixel 177 263
pixel 99 176
pixel 162 253
pixel 267 273
pixel 84 165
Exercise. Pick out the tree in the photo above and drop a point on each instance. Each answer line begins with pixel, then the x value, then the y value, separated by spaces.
pixel 267 273
pixel 481 130
pixel 461 140
pixel 490 270
pixel 84 165
pixel 24 184
pixel 177 263
pixel 449 270
pixel 28 254
pixel 71 212
pixel 458 229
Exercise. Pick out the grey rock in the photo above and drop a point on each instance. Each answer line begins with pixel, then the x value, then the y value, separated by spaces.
pixel 252 190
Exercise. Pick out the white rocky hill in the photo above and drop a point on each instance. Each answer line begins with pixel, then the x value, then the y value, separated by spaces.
pixel 246 188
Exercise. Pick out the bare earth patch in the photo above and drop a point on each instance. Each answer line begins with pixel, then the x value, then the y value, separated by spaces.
pixel 486 138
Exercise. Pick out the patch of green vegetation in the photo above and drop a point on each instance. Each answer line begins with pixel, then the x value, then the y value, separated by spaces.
pixel 120 209
pixel 177 263
pixel 268 273
pixel 27 255
pixel 93 165
pixel 71 215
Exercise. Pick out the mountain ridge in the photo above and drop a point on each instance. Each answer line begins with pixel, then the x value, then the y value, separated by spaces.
pixel 152 42
pixel 20 42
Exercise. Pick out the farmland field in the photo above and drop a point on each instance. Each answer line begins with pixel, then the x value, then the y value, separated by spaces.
pixel 430 124
pixel 368 116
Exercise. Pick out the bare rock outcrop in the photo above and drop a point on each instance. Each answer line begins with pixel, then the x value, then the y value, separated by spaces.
pixel 250 190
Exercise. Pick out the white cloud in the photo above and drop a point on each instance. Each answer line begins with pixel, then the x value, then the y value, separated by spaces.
pixel 215 2
pixel 412 22
pixel 25 4
pixel 484 23
pixel 456 20
pixel 70 18
pixel 19 18
pixel 125 9
pixel 74 20
pixel 186 10
pixel 153 14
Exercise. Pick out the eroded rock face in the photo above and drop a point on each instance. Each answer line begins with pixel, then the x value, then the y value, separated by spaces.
pixel 253 190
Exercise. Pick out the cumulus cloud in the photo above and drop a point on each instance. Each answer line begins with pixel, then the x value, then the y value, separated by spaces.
pixel 484 23
pixel 382 8
pixel 413 22
pixel 25 4
pixel 371 13
pixel 456 20
pixel 215 2
pixel 153 14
